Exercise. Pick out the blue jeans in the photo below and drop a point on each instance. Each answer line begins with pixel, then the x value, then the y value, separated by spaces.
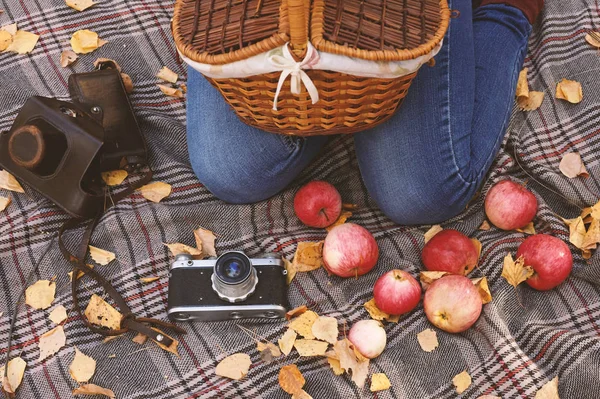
pixel 421 166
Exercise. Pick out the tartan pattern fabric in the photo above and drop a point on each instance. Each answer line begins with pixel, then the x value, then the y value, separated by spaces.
pixel 522 340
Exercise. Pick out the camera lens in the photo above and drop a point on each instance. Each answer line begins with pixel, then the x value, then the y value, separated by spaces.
pixel 234 278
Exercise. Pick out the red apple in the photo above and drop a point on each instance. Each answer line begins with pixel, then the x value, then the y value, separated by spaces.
pixel 368 337
pixel 509 205
pixel 549 257
pixel 452 303
pixel 349 250
pixel 450 251
pixel 397 292
pixel 318 204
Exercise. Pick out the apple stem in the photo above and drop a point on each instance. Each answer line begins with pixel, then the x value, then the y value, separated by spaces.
pixel 324 213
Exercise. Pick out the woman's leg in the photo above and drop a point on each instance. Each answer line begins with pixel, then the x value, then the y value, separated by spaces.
pixel 236 162
pixel 427 161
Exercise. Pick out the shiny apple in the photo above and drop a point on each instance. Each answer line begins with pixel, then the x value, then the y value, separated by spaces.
pixel 318 204
pixel 397 292
pixel 450 251
pixel 509 205
pixel 350 250
pixel 549 257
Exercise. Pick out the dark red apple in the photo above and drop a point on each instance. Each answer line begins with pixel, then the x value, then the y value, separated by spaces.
pixel 450 251
pixel 549 257
pixel 349 250
pixel 318 204
pixel 452 303
pixel 509 205
pixel 397 292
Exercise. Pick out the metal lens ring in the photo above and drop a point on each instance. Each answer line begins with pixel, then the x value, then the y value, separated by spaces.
pixel 234 278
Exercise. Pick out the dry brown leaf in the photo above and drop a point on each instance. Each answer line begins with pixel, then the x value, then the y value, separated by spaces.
pixel 155 191
pixel 522 86
pixel 8 182
pixel 378 314
pixel 291 379
pixel 428 340
pixel 350 363
pixel 101 256
pixel 147 280
pixel 177 248
pixel 167 75
pixel 84 41
pixel 478 246
pixel 80 5
pixel 462 381
pixel 103 60
pixel 40 295
pixel 15 371
pixel 51 342
pixel 428 277
pixel 5 40
pixel 532 102
pixel 286 342
pixel 93 389
pixel 67 57
pixel 528 229
pixel 310 347
pixel 171 91
pixel 571 165
pixel 171 348
pixel 82 367
pixel 485 225
pixel 576 231
pixel 325 328
pixel 291 271
pixel 183 88
pixel 592 235
pixel 345 215
pixel 235 366
pixel 569 90
pixel 303 324
pixel 114 177
pixel 380 382
pixel 205 239
pixel 58 314
pixel 515 272
pixel 101 313
pixel 140 339
pixel 79 273
pixel 308 256
pixel 268 351
pixel 296 312
pixel 432 232
pixel 335 365
pixel 23 42
pixel 484 290
pixel 127 82
pixel 592 41
pixel 549 390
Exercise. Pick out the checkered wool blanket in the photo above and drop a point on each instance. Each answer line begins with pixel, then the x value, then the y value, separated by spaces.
pixel 510 352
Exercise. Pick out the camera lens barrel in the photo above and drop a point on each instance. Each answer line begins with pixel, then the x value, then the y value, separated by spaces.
pixel 234 278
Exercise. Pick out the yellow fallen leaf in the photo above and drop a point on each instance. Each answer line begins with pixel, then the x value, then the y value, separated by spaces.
pixel 325 328
pixel 291 379
pixel 378 314
pixel 147 280
pixel 127 82
pixel 101 42
pixel 428 277
pixel 522 86
pixel 10 28
pixel 23 42
pixel 67 57
pixel 171 91
pixel 171 348
pixel 183 88
pixel 428 340
pixel 310 347
pixel 532 102
pixel 572 166
pixel 51 342
pixel 155 191
pixel 177 248
pixel 286 342
pixel 93 389
pixel 114 177
pixel 79 273
pixel 303 324
pixel 8 182
pixel 82 367
pixel 235 366
pixel 80 5
pixel 484 290
pixel 205 239
pixel 167 75
pixel 308 256
pixel 345 215
pixel 40 295
pixel 268 351
pixel 380 382
pixel 485 225
pixel 84 41
pixel 101 313
pixel 592 40
pixel 515 272
pixel 478 246
pixel 462 381
pixel 576 231
pixel 58 314
pixel 569 90
pixel 432 232
pixel 549 390
pixel 592 235
pixel 101 256
pixel 15 371
pixel 529 228
pixel 335 365
pixel 295 312
pixel 291 271
pixel 140 339
pixel 5 40
pixel 349 362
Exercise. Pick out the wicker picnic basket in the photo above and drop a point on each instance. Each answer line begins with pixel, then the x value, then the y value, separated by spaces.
pixel 215 33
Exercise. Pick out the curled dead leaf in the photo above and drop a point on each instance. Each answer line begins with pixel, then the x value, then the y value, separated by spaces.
pixel 67 57
pixel 571 165
pixel 351 363
pixel 428 277
pixel 462 381
pixel 592 235
pixel 51 342
pixel 40 294
pixel 432 232
pixel 100 61
pixel 101 313
pixel 532 102
pixel 515 272
pixel 478 246
pixel 522 85
pixel 296 312
pixel 82 367
pixel 167 75
pixel 8 182
pixel 380 382
pixel 177 248
pixel 155 191
pixel 378 314
pixel 101 256
pixel 569 90
pixel 80 273
pixel 147 280
pixel 234 367
pixel 205 240
pixel 428 340
pixel 576 231
pixel 484 290
pixel 286 342
pixel 529 228
pixel 93 389
pixel 345 215
pixel 485 225
pixel 308 256
pixel 290 269
pixel 171 91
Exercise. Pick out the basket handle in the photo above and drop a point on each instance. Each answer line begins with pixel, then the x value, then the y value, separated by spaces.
pixel 298 18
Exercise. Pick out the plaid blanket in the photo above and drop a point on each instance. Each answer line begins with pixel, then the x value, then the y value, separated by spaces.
pixel 510 352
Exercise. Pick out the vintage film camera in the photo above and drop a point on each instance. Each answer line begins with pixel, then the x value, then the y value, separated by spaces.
pixel 60 148
pixel 229 287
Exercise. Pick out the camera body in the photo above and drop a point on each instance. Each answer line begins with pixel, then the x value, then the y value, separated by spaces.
pixel 229 287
